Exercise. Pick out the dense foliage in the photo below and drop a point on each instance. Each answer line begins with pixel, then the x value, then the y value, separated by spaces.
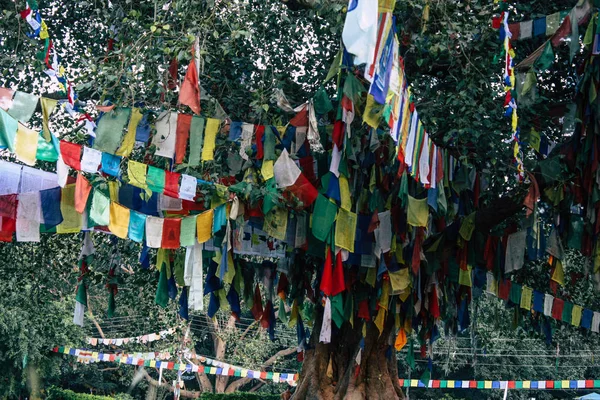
pixel 249 49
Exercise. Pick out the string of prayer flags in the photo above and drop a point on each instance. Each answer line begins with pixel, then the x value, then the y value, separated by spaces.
pixel 502 385
pixel 146 338
pixel 213 367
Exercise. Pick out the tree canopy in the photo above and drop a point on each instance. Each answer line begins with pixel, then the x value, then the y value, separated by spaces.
pixel 382 210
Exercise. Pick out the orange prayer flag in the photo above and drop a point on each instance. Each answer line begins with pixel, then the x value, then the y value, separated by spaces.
pixel 82 192
pixel 400 340
pixel 190 90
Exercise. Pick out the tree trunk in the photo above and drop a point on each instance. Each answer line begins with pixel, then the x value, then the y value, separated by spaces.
pixel 330 371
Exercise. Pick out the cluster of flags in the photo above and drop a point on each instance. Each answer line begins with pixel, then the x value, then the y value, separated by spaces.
pixel 491 384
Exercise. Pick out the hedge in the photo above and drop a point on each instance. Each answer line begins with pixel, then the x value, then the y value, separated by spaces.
pixel 240 396
pixel 55 393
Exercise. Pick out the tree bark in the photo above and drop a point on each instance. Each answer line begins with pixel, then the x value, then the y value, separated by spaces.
pixel 330 371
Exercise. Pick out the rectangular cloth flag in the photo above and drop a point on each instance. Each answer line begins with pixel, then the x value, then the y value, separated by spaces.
pixel 184 122
pixel 137 174
pixel 110 130
pixel 204 223
pixel 91 159
pixel 28 217
pixel 26 144
pixel 99 211
pixel 8 131
pixel 288 176
pixel 345 229
pixel 210 138
pixel 119 220
pixel 196 138
pixel 71 218
pixel 166 134
pixel 137 226
pixel 154 232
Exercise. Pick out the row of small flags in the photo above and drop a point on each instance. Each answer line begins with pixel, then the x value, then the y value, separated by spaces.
pixel 89 356
pixel 151 337
pixel 538 385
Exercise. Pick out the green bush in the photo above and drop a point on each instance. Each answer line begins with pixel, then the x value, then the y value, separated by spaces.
pixel 240 396
pixel 55 393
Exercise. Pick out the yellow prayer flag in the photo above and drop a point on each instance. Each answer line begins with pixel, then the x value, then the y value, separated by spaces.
pixel 526 295
pixel 373 112
pixel 526 384
pixel 129 138
pixel 71 218
pixel 119 220
pixel 267 170
pixel 380 319
pixel 559 274
pixel 48 106
pixel 464 276
pixel 275 224
pixel 113 190
pixel 26 143
pixel 418 211
pixel 204 223
pixel 576 315
pixel 137 174
pixel 345 230
pixel 276 377
pixel 345 193
pixel 210 138
pixel 487 384
pixel 400 280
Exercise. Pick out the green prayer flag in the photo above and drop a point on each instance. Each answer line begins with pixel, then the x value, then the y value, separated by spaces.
pixel 281 314
pixel 410 355
pixel 589 33
pixel 100 208
pixel 425 377
pixel 23 106
pixel 46 151
pixel 196 138
pixel 530 82
pixel 353 88
pixel 81 296
pixel 567 312
pixel 156 179
pixel 335 66
pixel 8 131
pixel 323 216
pixel 321 102
pixel 188 231
pixel 337 309
pixel 110 130
pixel 269 144
pixel 546 59
pixel 162 290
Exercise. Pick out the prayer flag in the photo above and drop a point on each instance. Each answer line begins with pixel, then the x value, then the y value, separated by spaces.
pixel 210 137
pixel 119 220
pixel 189 93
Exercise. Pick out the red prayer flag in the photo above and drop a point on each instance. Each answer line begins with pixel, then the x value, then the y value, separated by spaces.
pixel 300 119
pixel 184 121
pixel 71 154
pixel 82 192
pixel 557 309
pixel 326 285
pixel 338 285
pixel 264 320
pixel 257 308
pixel 363 310
pixel 172 184
pixel 171 232
pixel 260 131
pixel 8 206
pixel 190 90
pixel 304 191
